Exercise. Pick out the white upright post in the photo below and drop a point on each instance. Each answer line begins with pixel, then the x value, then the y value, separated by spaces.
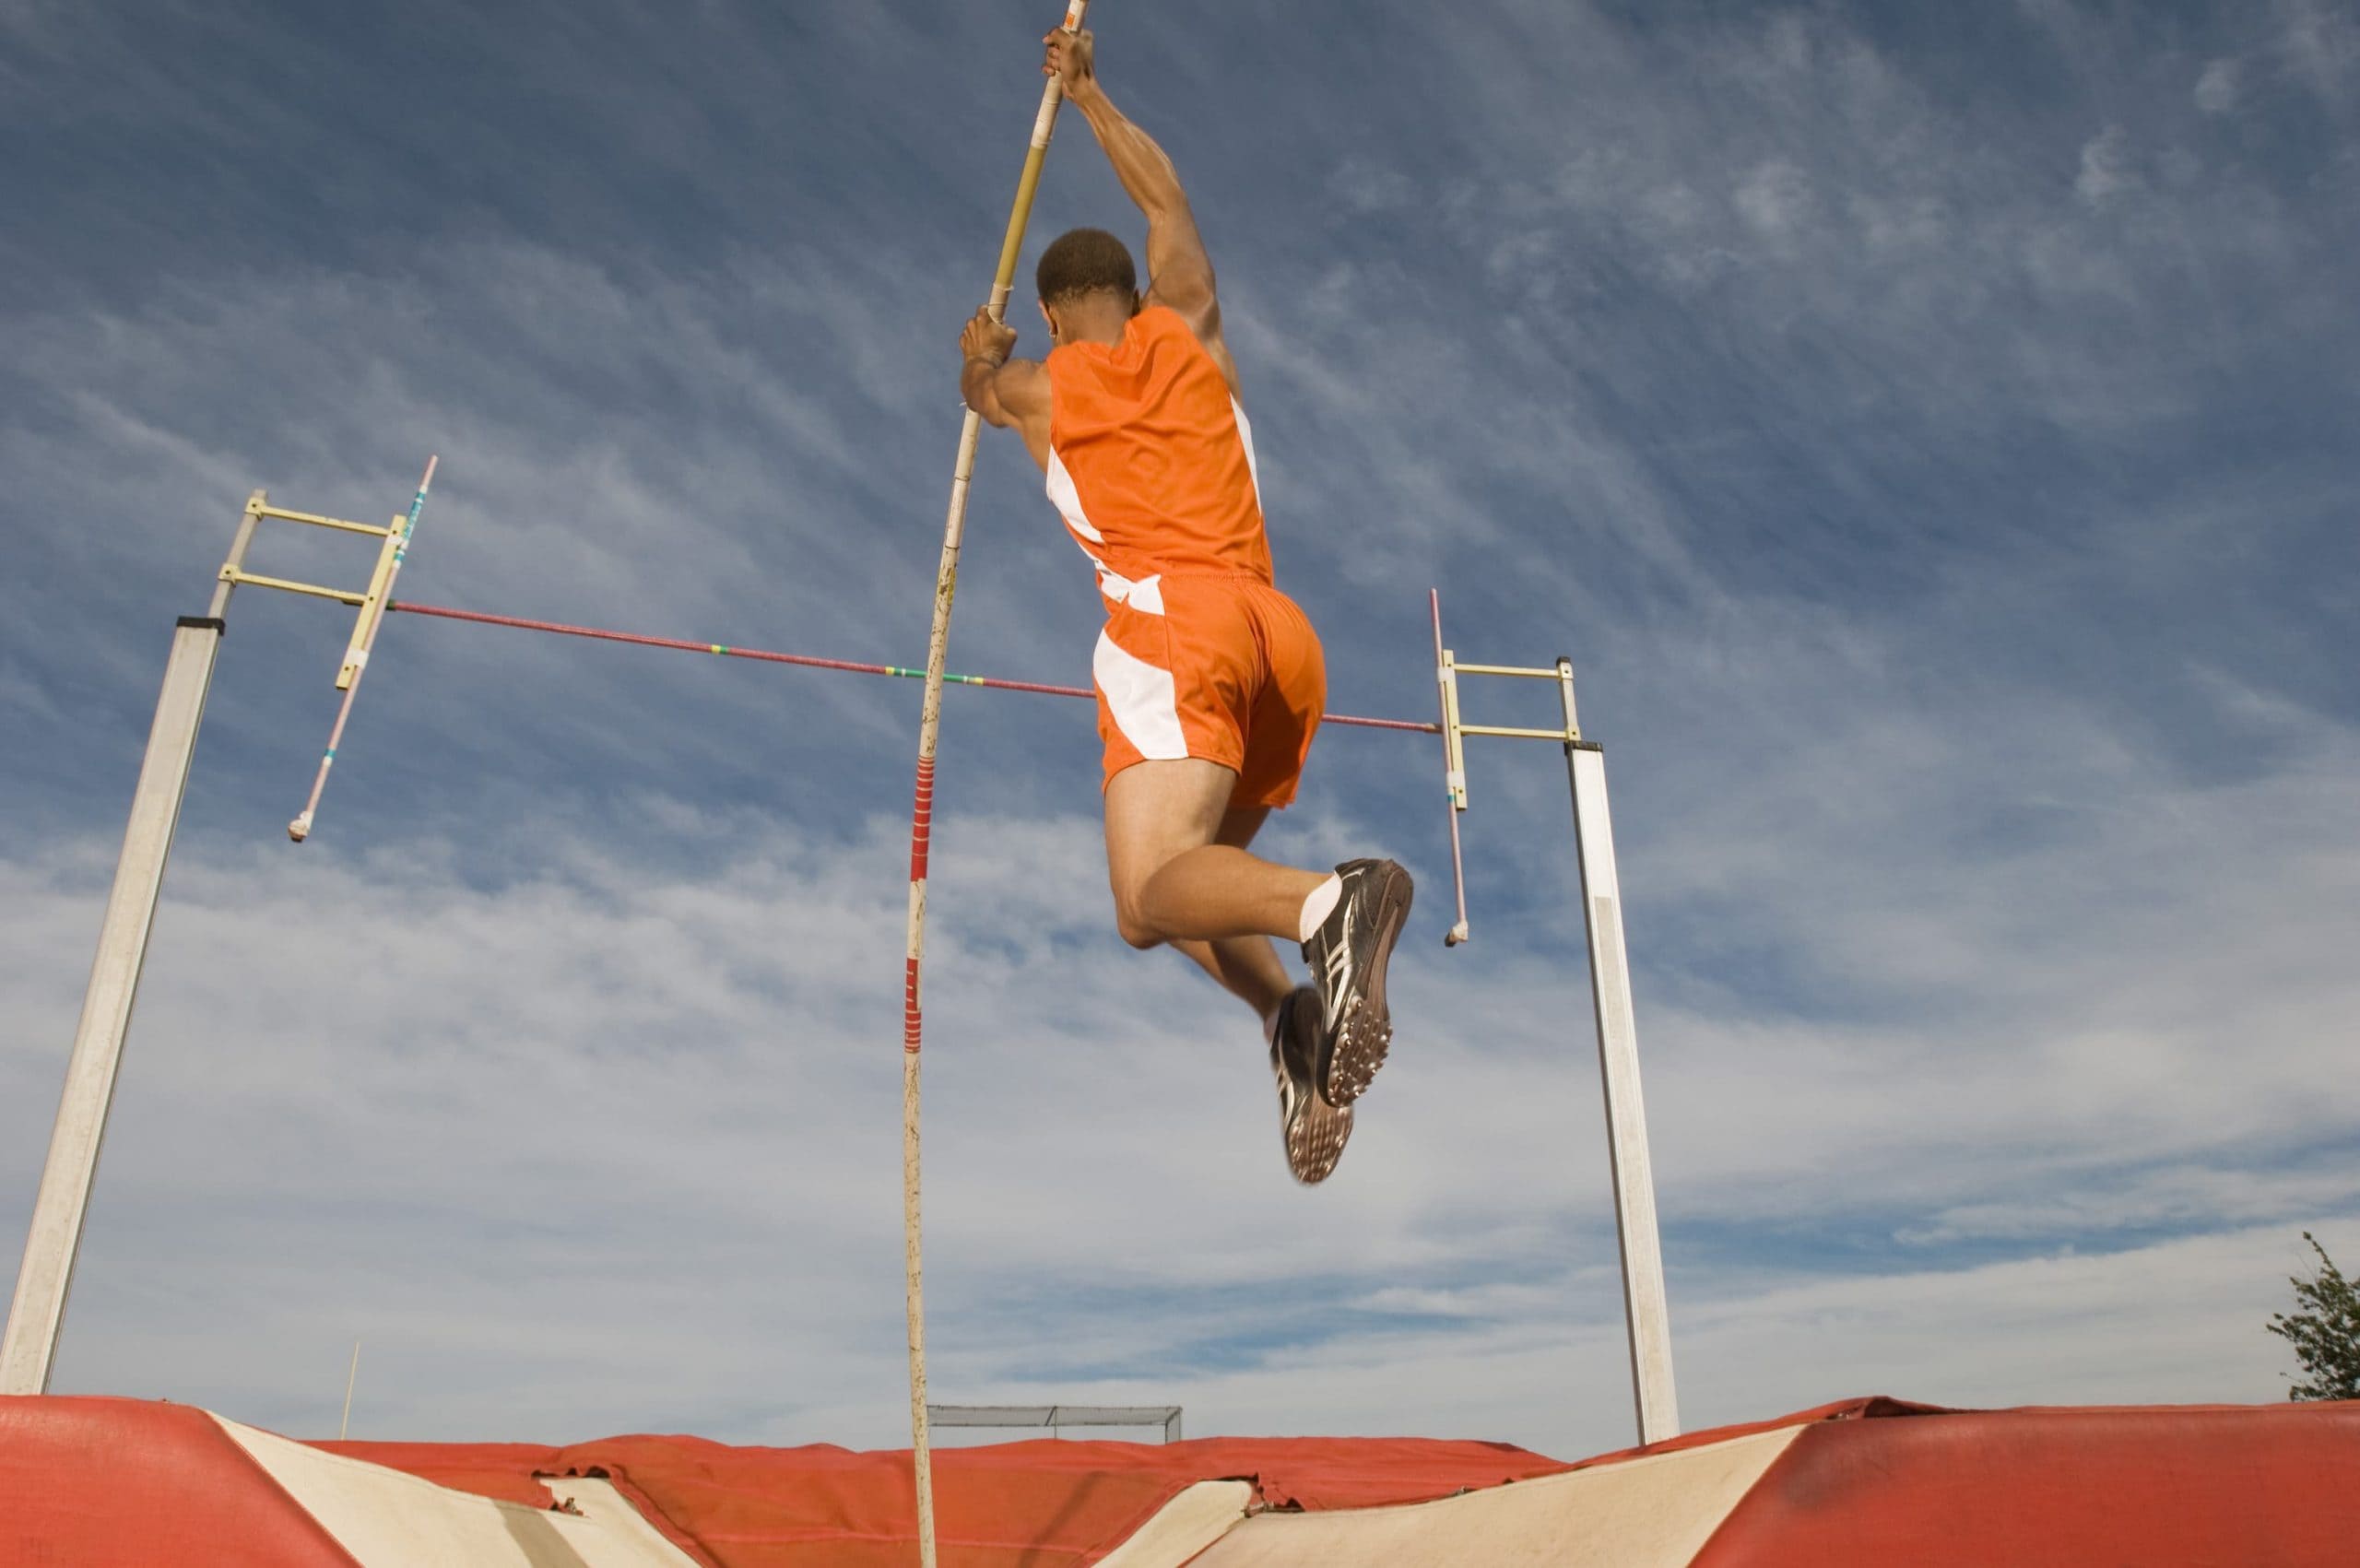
pixel 1645 1311
pixel 28 1346
pixel 351 1376
pixel 47 1273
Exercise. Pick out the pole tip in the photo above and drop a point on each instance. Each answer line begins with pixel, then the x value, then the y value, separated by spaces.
pixel 298 828
pixel 1455 935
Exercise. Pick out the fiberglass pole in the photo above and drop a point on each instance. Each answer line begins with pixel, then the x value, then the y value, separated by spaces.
pixel 921 811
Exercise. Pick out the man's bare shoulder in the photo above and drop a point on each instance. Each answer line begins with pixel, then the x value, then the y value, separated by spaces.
pixel 1024 386
pixel 1203 328
pixel 1028 397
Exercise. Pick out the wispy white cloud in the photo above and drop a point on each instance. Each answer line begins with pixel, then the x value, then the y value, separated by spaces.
pixel 2320 44
pixel 2216 90
pixel 1773 199
pixel 2106 169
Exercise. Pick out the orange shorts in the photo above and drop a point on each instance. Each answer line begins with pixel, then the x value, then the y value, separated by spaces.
pixel 1222 668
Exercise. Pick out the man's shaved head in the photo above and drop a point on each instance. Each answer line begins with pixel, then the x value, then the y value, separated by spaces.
pixel 1082 262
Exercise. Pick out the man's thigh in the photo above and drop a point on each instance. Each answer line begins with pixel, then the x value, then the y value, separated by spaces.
pixel 1160 809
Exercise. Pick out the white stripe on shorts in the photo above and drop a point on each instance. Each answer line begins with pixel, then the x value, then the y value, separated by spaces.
pixel 1143 699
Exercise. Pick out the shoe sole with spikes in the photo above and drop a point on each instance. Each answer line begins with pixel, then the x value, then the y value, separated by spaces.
pixel 1312 1131
pixel 1348 956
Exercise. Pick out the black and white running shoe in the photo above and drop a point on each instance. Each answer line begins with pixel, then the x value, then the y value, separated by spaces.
pixel 1313 1130
pixel 1347 955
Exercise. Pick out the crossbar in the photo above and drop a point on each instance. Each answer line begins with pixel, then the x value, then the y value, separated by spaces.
pixel 1054 1416
pixel 809 661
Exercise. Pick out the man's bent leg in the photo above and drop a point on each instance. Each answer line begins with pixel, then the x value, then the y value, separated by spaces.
pixel 1168 817
pixel 1173 876
pixel 1246 967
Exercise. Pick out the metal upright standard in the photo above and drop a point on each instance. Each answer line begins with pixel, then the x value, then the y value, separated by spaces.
pixel 946 582
pixel 47 1273
pixel 1646 1312
pixel 29 1348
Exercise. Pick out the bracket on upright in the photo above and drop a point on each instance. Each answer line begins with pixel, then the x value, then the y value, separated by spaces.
pixel 1447 669
pixel 1646 1313
pixel 369 601
pixel 54 1241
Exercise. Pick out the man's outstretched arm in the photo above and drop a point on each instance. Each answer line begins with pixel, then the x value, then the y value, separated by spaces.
pixel 1180 273
pixel 1011 394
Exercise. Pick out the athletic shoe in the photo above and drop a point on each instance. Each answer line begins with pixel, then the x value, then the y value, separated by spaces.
pixel 1313 1130
pixel 1347 955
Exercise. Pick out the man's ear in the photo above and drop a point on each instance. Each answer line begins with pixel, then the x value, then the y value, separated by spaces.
pixel 1049 316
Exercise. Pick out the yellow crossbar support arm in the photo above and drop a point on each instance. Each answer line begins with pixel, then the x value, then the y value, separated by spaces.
pixel 318 522
pixel 341 596
pixel 1549 674
pixel 1514 734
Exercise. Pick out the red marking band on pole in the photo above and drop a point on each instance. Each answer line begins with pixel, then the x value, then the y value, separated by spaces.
pixel 910 1031
pixel 922 821
pixel 921 835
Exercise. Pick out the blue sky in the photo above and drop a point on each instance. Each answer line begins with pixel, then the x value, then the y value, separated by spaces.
pixel 1928 433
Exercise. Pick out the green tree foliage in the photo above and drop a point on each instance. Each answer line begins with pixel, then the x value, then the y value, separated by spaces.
pixel 2325 1331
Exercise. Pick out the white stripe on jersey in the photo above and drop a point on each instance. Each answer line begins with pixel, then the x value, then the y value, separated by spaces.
pixel 1068 499
pixel 1246 435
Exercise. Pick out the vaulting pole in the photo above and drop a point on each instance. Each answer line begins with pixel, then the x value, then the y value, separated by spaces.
pixel 946 581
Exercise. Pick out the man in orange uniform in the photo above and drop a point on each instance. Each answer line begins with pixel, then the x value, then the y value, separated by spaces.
pixel 1209 680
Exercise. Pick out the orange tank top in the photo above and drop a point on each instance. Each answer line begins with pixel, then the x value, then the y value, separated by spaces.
pixel 1150 459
